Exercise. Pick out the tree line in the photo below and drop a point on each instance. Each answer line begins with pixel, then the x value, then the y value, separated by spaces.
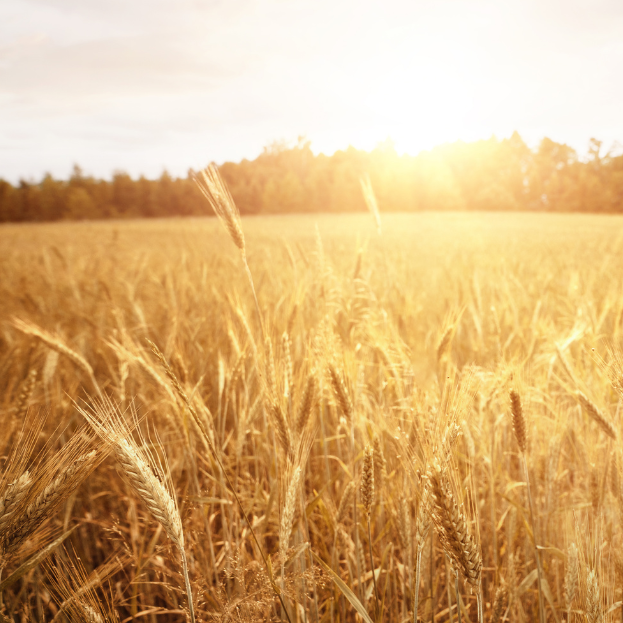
pixel 483 175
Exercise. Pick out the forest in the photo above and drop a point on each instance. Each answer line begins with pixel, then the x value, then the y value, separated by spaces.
pixel 486 175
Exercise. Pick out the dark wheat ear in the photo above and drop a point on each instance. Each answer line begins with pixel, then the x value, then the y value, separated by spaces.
pixel 366 488
pixel 519 421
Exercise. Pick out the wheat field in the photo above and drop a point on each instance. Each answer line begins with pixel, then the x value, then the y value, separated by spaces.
pixel 414 413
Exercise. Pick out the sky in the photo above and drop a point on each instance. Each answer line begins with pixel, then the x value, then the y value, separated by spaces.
pixel 148 85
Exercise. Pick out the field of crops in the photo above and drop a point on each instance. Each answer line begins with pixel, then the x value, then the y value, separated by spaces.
pixel 411 417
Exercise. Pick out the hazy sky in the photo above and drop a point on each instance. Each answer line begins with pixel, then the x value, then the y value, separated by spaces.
pixel 143 85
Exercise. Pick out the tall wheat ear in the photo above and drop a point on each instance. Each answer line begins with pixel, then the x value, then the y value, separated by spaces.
pixel 213 187
pixel 147 474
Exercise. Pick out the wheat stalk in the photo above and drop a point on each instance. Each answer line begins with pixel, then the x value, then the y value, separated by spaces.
pixel 46 487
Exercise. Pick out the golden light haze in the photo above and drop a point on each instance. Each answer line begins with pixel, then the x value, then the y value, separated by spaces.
pixel 144 86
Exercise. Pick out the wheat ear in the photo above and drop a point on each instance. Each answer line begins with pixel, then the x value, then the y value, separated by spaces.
pixel 370 200
pixel 216 192
pixel 281 428
pixel 380 464
pixel 593 598
pixel 24 396
pixel 366 490
pixel 600 419
pixel 499 604
pixel 345 502
pixel 306 406
pixel 519 421
pixel 11 499
pixel 341 394
pixel 140 469
pixel 287 517
pixel 59 346
pixel 39 509
pixel 451 525
pixel 571 578
pixel 47 486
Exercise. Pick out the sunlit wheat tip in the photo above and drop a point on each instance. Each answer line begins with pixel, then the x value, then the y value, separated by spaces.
pixel 214 190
